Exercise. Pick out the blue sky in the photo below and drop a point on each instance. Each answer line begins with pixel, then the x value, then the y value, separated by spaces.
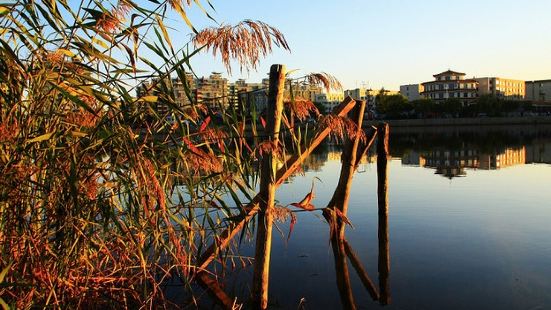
pixel 391 42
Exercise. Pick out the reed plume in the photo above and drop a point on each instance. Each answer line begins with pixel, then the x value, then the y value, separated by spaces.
pixel 245 42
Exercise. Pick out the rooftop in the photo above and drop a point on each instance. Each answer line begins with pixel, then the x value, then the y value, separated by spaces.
pixel 449 72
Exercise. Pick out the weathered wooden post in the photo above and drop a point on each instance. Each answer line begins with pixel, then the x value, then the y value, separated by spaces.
pixel 268 188
pixel 339 201
pixel 382 197
pixel 291 165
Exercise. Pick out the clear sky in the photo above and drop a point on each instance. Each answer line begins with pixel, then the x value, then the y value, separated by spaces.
pixel 392 42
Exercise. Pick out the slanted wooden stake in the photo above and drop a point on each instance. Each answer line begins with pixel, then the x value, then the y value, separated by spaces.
pixel 268 188
pixel 282 174
pixel 350 152
pixel 252 208
pixel 382 197
pixel 340 201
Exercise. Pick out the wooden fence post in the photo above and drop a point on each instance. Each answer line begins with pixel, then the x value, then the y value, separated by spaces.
pixel 382 197
pixel 291 165
pixel 268 188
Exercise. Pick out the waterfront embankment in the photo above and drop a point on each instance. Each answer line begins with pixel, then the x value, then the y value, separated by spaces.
pixel 474 121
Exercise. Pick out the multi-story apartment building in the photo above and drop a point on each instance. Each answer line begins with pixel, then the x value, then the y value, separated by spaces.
pixel 303 91
pixel 213 91
pixel 358 93
pixel 180 94
pixel 451 84
pixel 538 90
pixel 501 88
pixel 412 91
pixel 249 93
pixel 329 100
pixel 369 95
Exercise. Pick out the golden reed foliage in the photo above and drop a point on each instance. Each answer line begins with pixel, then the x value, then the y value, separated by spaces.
pixel 328 81
pixel 245 42
pixel 302 108
pixel 341 127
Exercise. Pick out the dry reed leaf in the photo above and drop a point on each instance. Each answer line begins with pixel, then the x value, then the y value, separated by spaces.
pixel 302 108
pixel 112 20
pixel 245 42
pixel 269 147
pixel 326 80
pixel 198 160
pixel 341 127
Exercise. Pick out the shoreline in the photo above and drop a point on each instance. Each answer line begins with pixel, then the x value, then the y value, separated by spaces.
pixel 458 122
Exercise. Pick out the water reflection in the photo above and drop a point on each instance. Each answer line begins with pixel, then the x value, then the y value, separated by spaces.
pixel 454 151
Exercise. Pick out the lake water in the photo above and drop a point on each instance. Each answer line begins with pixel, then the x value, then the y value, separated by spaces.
pixel 469 224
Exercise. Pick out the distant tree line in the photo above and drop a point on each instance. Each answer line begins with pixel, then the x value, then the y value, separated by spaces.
pixel 398 107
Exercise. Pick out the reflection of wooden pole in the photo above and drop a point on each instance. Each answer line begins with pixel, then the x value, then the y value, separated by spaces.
pixel 267 189
pixel 382 195
pixel 215 291
pixel 342 273
pixel 362 273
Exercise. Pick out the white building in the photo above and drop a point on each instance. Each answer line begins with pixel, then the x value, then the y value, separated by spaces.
pixel 538 90
pixel 329 100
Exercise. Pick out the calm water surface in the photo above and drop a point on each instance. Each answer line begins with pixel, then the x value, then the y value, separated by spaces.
pixel 469 224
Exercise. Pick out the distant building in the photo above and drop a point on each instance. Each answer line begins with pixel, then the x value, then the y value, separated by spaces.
pixel 249 94
pixel 412 91
pixel 329 100
pixel 303 91
pixel 451 85
pixel 213 91
pixel 358 93
pixel 501 88
pixel 369 95
pixel 538 90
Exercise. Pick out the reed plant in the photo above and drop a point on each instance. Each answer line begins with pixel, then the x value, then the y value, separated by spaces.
pixel 104 196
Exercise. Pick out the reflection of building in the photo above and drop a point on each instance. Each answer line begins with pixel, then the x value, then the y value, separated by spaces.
pixel 453 163
pixel 451 85
pixel 539 152
pixel 501 88
pixel 538 90
pixel 509 157
pixel 412 91
pixel 413 158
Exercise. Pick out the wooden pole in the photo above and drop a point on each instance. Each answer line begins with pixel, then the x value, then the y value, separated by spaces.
pixel 282 174
pixel 252 208
pixel 350 152
pixel 340 201
pixel 268 187
pixel 382 197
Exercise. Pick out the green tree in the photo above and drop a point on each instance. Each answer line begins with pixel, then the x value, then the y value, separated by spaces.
pixel 394 106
